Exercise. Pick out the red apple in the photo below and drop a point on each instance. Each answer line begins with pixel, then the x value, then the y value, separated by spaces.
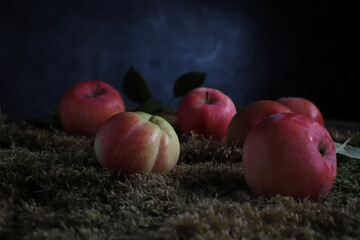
pixel 304 107
pixel 246 119
pixel 137 142
pixel 207 112
pixel 87 105
pixel 289 154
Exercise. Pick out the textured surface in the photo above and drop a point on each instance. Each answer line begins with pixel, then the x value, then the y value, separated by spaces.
pixel 52 187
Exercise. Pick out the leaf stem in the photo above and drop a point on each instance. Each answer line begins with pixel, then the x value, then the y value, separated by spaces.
pixel 171 100
pixel 207 99
pixel 343 145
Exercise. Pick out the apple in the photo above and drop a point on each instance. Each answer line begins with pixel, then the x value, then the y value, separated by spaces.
pixel 137 142
pixel 304 107
pixel 205 111
pixel 247 118
pixel 87 105
pixel 289 154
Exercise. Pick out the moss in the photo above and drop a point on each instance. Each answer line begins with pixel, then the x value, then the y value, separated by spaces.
pixel 52 187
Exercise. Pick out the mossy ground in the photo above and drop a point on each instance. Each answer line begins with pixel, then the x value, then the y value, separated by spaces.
pixel 52 187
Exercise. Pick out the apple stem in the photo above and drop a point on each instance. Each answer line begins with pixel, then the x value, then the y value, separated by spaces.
pixel 207 100
pixel 321 151
pixel 97 92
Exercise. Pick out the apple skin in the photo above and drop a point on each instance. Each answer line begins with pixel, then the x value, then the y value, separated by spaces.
pixel 87 105
pixel 304 107
pixel 207 119
pixel 137 142
pixel 282 155
pixel 247 118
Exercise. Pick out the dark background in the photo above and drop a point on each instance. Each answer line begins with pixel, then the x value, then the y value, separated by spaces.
pixel 251 50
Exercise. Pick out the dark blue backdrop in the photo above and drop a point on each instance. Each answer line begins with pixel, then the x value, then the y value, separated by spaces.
pixel 251 50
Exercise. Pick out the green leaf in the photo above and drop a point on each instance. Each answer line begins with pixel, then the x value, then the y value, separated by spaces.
pixel 150 106
pixel 188 81
pixel 135 87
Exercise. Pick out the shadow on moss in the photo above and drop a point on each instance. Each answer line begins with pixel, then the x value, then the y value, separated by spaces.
pixel 52 187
